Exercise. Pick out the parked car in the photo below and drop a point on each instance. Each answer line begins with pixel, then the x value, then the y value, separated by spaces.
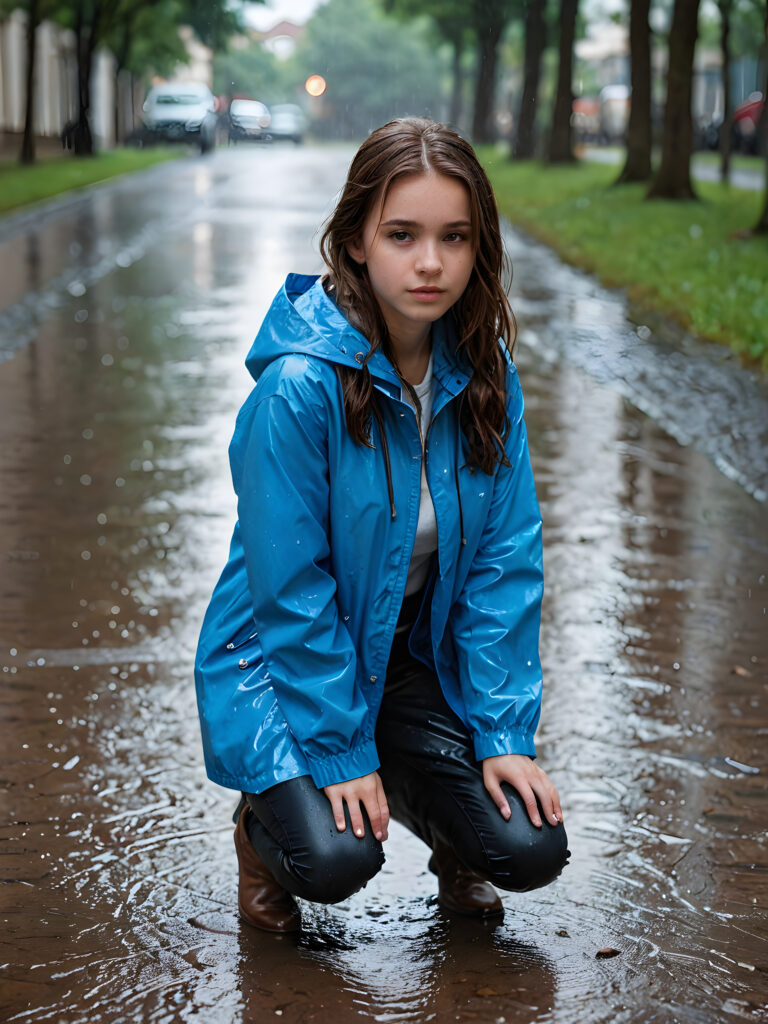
pixel 744 134
pixel 181 112
pixel 248 119
pixel 614 113
pixel 288 122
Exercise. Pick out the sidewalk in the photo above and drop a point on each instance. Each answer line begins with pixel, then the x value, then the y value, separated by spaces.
pixel 754 180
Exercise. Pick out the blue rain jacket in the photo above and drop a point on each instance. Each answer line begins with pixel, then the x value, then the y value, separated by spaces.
pixel 291 661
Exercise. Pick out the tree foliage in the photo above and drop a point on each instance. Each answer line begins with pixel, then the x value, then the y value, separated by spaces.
pixel 373 68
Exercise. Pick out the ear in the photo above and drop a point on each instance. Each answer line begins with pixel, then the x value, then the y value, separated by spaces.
pixel 356 250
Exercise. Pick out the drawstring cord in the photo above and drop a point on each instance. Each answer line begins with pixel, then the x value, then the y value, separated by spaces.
pixel 388 465
pixel 456 472
pixel 385 449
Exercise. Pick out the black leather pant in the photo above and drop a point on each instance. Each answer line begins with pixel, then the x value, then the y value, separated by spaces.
pixel 433 785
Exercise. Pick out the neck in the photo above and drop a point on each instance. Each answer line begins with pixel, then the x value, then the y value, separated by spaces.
pixel 411 354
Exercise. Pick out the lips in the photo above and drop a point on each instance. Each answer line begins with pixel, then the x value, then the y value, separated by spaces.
pixel 426 291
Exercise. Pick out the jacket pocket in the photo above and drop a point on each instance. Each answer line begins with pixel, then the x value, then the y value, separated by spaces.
pixel 242 638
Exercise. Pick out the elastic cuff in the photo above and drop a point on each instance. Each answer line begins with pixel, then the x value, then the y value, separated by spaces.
pixel 492 744
pixel 327 771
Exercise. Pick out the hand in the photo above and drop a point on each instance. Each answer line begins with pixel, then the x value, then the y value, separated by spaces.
pixel 529 780
pixel 368 791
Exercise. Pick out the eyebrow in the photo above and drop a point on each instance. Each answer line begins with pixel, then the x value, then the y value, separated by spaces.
pixel 415 224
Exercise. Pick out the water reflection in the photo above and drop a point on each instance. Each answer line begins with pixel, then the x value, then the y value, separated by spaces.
pixel 113 442
pixel 444 970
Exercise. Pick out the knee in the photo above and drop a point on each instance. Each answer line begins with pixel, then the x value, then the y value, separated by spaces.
pixel 528 857
pixel 336 865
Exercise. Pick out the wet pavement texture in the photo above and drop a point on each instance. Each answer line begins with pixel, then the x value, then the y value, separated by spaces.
pixel 126 316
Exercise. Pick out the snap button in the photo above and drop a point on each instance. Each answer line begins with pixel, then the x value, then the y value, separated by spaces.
pixel 230 647
pixel 243 663
pixel 359 357
pixel 373 679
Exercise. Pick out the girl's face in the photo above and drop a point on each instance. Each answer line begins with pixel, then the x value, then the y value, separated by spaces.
pixel 417 246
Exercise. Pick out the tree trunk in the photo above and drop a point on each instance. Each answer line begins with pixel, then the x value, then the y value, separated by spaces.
pixel 637 166
pixel 673 180
pixel 535 44
pixel 458 80
pixel 726 128
pixel 485 90
pixel 761 228
pixel 27 155
pixel 85 36
pixel 560 141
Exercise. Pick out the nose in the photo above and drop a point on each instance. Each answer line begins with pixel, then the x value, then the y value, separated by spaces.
pixel 428 259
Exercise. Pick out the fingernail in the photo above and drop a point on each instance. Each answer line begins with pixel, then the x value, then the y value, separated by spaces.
pixel 537 822
pixel 359 832
pixel 555 819
pixel 379 836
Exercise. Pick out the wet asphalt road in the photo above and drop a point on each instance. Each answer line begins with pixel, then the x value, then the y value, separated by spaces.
pixel 124 320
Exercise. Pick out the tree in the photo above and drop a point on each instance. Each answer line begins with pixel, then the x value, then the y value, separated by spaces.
pixel 450 18
pixel 489 19
pixel 374 70
pixel 145 38
pixel 97 22
pixel 37 11
pixel 560 140
pixel 535 44
pixel 637 166
pixel 726 128
pixel 761 228
pixel 673 180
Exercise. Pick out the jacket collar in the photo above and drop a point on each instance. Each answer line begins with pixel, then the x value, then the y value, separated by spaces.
pixel 450 369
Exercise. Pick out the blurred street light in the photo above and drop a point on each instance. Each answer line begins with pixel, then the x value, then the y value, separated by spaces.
pixel 315 85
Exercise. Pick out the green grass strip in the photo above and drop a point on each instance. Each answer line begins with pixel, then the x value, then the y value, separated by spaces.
pixel 682 258
pixel 20 185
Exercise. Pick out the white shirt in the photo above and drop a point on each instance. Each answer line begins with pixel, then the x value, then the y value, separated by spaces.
pixel 426 530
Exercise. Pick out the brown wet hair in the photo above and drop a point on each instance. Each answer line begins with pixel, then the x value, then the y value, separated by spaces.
pixel 401 148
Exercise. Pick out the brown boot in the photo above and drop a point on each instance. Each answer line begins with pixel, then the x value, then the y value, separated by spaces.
pixel 461 890
pixel 262 902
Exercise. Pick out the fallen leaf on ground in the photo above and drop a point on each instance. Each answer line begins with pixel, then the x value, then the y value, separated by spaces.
pixel 739 670
pixel 607 952
pixel 487 992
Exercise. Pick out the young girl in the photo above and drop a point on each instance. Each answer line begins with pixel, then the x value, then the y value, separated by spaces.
pixel 371 647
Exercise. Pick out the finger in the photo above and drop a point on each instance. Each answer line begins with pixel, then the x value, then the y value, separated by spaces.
pixel 356 818
pixel 337 806
pixel 558 808
pixel 371 804
pixel 529 799
pixel 384 810
pixel 546 793
pixel 497 795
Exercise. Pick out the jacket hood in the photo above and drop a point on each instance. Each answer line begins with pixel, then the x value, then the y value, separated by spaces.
pixel 303 318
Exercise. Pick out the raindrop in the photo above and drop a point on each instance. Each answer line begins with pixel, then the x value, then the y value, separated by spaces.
pixel 87 433
pixel 40 661
pixel 85 555
pixel 107 359
pixel 67 459
pixel 81 316
pixel 101 519
pixel 13 652
pixel 85 480
pixel 120 482
pixel 76 288
pixel 643 332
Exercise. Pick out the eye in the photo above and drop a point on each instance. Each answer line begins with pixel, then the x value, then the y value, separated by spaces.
pixel 400 236
pixel 455 236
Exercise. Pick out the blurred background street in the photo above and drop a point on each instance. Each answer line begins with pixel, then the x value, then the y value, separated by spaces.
pixel 126 311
